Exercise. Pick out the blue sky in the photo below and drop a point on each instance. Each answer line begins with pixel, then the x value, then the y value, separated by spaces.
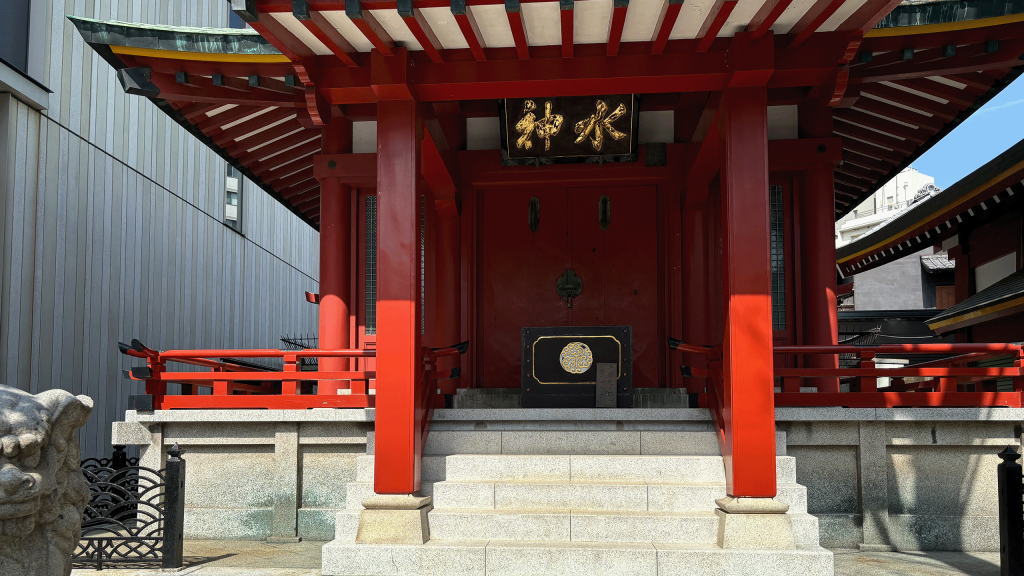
pixel 988 132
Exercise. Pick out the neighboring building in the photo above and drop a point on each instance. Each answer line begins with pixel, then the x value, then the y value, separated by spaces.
pixel 894 197
pixel 976 223
pixel 120 224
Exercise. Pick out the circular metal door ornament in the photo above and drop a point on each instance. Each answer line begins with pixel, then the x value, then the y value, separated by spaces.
pixel 576 358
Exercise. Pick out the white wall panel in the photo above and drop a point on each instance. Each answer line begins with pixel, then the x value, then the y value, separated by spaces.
pixel 112 230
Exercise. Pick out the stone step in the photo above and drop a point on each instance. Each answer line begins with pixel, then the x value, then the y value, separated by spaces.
pixel 512 558
pixel 561 438
pixel 583 468
pixel 591 496
pixel 574 526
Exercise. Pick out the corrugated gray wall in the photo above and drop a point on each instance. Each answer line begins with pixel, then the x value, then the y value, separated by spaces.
pixel 112 229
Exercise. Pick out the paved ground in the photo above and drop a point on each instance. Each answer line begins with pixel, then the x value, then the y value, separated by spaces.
pixel 255 558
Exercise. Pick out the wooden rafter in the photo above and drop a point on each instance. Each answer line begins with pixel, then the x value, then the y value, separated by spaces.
pixel 565 15
pixel 420 28
pixel 916 135
pixel 470 30
pixel 247 127
pixel 277 146
pixel 766 17
pixel 370 27
pixel 869 14
pixel 513 10
pixel 812 20
pixel 713 23
pixel 666 22
pixel 250 142
pixel 618 21
pixel 325 32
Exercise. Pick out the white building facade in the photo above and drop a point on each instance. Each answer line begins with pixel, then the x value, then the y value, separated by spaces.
pixel 888 201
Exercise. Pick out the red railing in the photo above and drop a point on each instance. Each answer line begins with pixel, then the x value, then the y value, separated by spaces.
pixel 236 384
pixel 947 382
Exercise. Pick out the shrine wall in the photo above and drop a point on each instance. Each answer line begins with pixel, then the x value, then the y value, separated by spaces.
pixel 113 226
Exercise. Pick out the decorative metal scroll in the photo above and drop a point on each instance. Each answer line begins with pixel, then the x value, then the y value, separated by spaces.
pixel 544 130
pixel 126 520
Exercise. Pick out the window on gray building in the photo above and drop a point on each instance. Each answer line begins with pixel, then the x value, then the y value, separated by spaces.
pixel 14 30
pixel 232 202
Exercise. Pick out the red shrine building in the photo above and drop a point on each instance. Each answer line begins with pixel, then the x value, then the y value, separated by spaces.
pixel 578 202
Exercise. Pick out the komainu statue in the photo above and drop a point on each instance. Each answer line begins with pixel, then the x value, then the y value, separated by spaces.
pixel 42 490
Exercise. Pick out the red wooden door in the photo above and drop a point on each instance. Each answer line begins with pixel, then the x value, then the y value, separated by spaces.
pixel 617 263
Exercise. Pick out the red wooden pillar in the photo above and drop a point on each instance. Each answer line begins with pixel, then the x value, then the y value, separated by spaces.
pixel 448 285
pixel 748 405
pixel 696 298
pixel 818 250
pixel 399 367
pixel 335 257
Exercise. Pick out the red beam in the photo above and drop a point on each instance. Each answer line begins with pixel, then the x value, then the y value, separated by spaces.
pixel 894 399
pixel 713 23
pixel 666 21
pixel 869 14
pixel 420 28
pixel 940 90
pixel 196 112
pixel 618 20
pixel 919 119
pixel 766 17
pixel 565 14
pixel 872 151
pixel 241 129
pixel 470 30
pixel 213 123
pixel 513 11
pixel 916 135
pixel 255 140
pixel 813 19
pixel 967 60
pixel 286 42
pixel 208 93
pixel 921 103
pixel 285 157
pixel 277 146
pixel 370 28
pixel 267 401
pixel 325 32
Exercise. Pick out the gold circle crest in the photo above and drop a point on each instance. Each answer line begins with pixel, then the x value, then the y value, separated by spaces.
pixel 576 358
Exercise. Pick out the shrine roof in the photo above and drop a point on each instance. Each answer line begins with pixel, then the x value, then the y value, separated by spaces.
pixel 1000 299
pixel 979 197
pixel 901 78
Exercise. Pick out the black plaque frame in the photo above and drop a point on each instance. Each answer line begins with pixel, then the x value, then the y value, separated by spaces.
pixel 583 156
pixel 546 385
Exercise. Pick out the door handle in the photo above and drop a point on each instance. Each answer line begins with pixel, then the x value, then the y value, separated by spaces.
pixel 569 286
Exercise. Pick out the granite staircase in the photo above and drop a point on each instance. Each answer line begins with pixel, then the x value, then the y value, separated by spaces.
pixel 564 492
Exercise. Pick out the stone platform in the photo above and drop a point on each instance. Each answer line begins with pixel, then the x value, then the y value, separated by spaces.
pixel 612 491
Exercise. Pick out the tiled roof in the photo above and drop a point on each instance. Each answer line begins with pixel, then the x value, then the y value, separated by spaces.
pixel 937 262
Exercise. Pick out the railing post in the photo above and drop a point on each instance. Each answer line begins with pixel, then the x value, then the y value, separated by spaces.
pixel 1018 363
pixel 221 387
pixel 1011 514
pixel 155 387
pixel 174 509
pixel 291 364
pixel 867 360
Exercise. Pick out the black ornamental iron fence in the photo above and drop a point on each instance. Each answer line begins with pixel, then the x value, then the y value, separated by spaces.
pixel 135 514
pixel 1011 514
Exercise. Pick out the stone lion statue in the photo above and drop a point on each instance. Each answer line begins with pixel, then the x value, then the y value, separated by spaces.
pixel 42 490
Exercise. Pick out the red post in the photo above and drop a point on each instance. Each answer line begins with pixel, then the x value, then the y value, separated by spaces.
pixel 695 267
pixel 399 362
pixel 448 284
pixel 818 250
pixel 867 383
pixel 748 404
pixel 335 257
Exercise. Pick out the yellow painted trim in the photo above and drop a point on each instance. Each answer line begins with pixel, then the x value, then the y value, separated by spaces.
pixel 946 27
pixel 885 243
pixel 199 56
pixel 978 313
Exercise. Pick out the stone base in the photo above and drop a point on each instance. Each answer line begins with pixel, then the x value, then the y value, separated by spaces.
pixel 394 519
pixel 755 531
pixel 283 539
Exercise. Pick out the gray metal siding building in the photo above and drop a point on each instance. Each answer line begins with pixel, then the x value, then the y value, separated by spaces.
pixel 113 224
